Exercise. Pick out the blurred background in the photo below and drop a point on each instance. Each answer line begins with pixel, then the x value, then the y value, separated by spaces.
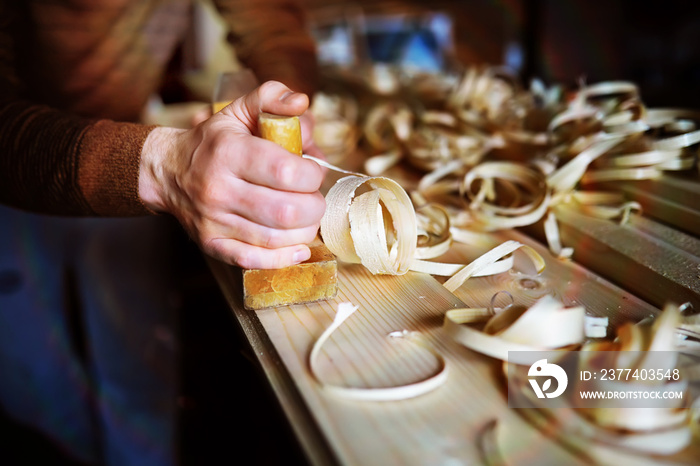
pixel 654 44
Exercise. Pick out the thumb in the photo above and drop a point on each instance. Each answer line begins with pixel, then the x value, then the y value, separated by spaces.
pixel 271 97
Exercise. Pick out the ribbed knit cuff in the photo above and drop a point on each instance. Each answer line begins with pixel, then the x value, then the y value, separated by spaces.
pixel 108 176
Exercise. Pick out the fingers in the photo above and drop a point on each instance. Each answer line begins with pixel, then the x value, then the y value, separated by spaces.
pixel 264 163
pixel 271 97
pixel 234 226
pixel 272 208
pixel 244 255
pixel 307 123
pixel 267 229
pixel 276 98
pixel 245 200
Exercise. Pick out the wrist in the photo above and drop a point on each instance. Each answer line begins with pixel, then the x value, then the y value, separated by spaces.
pixel 154 175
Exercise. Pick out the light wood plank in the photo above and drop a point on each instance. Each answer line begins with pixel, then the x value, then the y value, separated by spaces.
pixel 441 427
pixel 568 281
pixel 641 262
pixel 671 199
pixel 438 427
pixel 435 428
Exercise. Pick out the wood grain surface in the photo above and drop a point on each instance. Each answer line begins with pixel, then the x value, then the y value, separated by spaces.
pixel 444 426
pixel 457 423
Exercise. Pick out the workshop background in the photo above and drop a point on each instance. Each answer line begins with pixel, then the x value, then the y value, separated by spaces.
pixel 228 414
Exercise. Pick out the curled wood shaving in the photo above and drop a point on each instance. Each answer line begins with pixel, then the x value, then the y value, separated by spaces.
pixel 599 133
pixel 551 148
pixel 345 310
pixel 356 228
pixel 588 442
pixel 621 432
pixel 530 198
pixel 605 205
pixel 518 330
pixel 551 232
pixel 596 327
pixel 386 125
pixel 491 258
pixel 660 336
pixel 688 330
pixel 379 229
pixel 434 237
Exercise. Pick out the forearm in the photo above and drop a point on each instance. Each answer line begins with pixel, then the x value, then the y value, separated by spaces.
pixel 109 161
pixel 56 163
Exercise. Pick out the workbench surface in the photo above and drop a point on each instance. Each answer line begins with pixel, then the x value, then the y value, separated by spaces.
pixel 455 423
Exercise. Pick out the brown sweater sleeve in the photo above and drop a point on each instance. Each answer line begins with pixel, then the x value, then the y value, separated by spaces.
pixel 57 163
pixel 272 39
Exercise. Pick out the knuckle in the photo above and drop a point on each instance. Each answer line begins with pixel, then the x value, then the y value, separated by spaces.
pixel 245 258
pixel 285 172
pixel 271 239
pixel 319 206
pixel 310 234
pixel 269 87
pixel 286 215
pixel 210 196
pixel 314 176
pixel 219 142
pixel 210 245
pixel 278 259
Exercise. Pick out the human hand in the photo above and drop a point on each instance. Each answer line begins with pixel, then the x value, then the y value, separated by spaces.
pixel 307 129
pixel 244 200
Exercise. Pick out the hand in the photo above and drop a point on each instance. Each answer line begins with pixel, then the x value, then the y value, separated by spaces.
pixel 307 126
pixel 244 200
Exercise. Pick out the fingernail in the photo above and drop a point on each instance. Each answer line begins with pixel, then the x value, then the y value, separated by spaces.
pixel 301 255
pixel 287 96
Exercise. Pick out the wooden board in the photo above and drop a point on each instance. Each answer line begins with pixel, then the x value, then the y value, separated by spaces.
pixel 654 262
pixel 440 427
pixel 568 281
pixel 435 428
pixel 672 199
pixel 448 425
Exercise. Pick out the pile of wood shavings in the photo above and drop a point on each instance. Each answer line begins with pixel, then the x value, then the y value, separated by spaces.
pixel 493 155
pixel 624 433
pixel 496 155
